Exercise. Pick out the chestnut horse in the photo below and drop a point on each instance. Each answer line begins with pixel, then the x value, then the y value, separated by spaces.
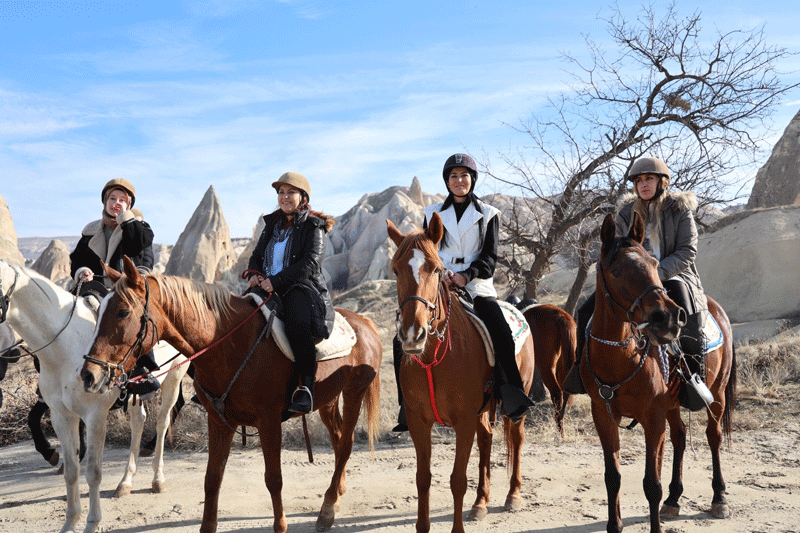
pixel 554 340
pixel 250 379
pixel 446 381
pixel 624 376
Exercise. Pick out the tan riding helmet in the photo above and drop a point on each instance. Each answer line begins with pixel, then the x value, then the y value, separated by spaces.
pixel 119 183
pixel 294 179
pixel 648 165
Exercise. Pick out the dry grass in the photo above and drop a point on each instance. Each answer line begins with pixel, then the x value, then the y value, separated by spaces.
pixel 769 391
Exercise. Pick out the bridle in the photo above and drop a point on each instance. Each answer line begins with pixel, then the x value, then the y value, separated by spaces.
pixel 433 308
pixel 122 378
pixel 634 306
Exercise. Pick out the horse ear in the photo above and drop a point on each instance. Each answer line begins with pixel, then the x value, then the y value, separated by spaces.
pixel 111 273
pixel 435 230
pixel 636 231
pixel 394 233
pixel 607 234
pixel 135 279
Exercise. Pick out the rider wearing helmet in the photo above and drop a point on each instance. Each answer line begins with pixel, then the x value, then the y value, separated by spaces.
pixel 468 250
pixel 288 259
pixel 120 231
pixel 670 237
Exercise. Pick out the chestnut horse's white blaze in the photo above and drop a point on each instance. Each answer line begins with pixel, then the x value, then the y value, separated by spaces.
pixel 416 263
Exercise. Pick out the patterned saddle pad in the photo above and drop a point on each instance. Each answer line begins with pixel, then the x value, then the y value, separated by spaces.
pixel 516 321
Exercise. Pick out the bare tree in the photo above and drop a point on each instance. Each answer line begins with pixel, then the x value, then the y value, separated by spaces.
pixel 698 101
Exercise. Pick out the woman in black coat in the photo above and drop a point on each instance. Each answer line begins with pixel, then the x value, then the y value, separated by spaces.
pixel 288 257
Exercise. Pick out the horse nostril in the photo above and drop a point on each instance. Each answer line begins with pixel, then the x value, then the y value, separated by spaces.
pixel 420 336
pixel 681 317
pixel 658 318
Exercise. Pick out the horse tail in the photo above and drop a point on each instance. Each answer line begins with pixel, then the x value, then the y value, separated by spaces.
pixel 730 397
pixel 570 344
pixel 372 401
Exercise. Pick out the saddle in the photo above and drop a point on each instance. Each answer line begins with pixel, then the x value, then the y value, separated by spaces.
pixel 339 344
pixel 520 330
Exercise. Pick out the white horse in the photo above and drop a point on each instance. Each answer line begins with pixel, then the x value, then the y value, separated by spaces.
pixel 59 330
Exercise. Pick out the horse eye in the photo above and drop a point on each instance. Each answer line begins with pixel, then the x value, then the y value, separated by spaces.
pixel 123 313
pixel 615 272
pixel 395 271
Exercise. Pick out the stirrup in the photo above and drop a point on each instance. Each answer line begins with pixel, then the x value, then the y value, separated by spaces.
pixel 299 406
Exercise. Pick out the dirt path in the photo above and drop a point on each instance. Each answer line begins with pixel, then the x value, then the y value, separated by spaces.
pixel 563 489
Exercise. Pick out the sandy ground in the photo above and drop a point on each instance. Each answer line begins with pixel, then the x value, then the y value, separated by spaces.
pixel 563 488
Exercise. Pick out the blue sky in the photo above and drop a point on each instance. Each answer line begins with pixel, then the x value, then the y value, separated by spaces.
pixel 356 95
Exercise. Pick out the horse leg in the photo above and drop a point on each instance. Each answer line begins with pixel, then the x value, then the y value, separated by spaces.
pixel 465 436
pixel 40 442
pixel 66 428
pixel 138 417
pixel 654 436
pixel 220 438
pixel 342 443
pixel 420 432
pixel 608 433
pixel 719 504
pixel 677 433
pixel 556 396
pixel 514 437
pixel 484 434
pixel 269 429
pixel 96 425
pixel 170 392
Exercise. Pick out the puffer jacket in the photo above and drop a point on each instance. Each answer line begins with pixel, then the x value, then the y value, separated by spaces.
pixel 303 266
pixel 132 237
pixel 678 240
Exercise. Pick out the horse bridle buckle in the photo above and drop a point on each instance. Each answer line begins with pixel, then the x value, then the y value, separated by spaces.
pixel 605 392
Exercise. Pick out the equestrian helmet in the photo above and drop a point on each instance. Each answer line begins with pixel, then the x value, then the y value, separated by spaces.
pixel 460 160
pixel 648 165
pixel 119 183
pixel 293 179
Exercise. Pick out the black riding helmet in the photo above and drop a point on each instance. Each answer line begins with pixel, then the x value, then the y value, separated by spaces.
pixel 460 160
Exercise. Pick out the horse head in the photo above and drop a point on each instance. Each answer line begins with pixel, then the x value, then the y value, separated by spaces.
pixel 418 269
pixel 628 275
pixel 125 329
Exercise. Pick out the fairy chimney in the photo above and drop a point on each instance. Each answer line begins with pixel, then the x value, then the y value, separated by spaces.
pixel 8 236
pixel 54 263
pixel 778 181
pixel 204 250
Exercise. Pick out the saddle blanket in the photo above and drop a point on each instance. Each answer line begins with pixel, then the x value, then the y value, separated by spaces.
pixel 339 344
pixel 712 334
pixel 516 321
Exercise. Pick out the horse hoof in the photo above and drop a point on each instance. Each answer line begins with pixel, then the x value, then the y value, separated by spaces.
pixel 325 519
pixel 159 487
pixel 670 511
pixel 122 490
pixel 513 504
pixel 478 513
pixel 720 510
pixel 54 459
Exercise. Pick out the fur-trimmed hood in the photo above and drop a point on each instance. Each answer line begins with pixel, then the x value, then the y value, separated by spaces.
pixel 675 200
pixel 329 220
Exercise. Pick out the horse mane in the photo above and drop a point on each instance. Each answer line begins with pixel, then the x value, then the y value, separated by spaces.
pixel 178 293
pixel 419 240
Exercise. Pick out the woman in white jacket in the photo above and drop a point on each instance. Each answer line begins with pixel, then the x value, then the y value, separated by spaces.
pixel 469 253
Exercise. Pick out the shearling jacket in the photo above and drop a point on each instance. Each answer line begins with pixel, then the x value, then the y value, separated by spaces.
pixel 132 237
pixel 677 240
pixel 302 264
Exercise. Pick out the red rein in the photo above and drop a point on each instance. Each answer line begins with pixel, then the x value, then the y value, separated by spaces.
pixel 436 360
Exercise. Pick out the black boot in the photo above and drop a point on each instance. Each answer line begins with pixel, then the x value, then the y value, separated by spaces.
pixel 303 397
pixel 515 402
pixel 573 383
pixel 397 353
pixel 144 388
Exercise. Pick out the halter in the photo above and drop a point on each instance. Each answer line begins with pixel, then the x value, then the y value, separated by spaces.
pixel 431 307
pixel 4 298
pixel 607 391
pixel 122 378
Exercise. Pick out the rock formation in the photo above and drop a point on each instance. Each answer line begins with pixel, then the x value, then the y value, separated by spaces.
pixel 8 236
pixel 778 181
pixel 204 250
pixel 54 263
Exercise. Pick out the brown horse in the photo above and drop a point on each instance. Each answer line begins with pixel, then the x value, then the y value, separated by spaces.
pixel 192 316
pixel 444 374
pixel 554 339
pixel 624 374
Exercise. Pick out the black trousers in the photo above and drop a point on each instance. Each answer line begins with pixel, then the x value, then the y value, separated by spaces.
pixel 297 319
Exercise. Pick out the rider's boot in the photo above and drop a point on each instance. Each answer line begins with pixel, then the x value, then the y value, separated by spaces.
pixel 148 385
pixel 397 352
pixel 303 397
